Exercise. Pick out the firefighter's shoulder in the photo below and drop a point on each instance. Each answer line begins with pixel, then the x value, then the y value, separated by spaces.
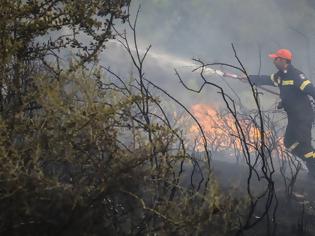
pixel 301 80
pixel 302 76
pixel 299 74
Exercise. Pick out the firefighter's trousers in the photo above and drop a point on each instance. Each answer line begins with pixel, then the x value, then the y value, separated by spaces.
pixel 298 140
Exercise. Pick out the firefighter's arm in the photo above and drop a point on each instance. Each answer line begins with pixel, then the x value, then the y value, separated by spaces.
pixel 305 85
pixel 263 80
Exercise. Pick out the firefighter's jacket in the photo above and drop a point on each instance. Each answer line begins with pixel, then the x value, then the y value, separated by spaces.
pixel 294 90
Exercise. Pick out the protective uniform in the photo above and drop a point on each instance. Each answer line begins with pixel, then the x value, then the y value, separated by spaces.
pixel 294 90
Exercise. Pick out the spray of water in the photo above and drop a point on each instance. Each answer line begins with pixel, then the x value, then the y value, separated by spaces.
pixel 170 60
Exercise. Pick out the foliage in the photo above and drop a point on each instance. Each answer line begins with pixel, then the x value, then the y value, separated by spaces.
pixel 81 154
pixel 40 33
pixel 65 170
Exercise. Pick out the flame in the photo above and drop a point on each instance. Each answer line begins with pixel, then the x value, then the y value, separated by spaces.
pixel 221 131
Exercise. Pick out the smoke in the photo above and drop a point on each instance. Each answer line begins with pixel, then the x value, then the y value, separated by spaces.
pixel 206 29
pixel 160 68
pixel 180 30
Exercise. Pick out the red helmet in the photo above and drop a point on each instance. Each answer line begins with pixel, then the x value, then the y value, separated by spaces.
pixel 282 53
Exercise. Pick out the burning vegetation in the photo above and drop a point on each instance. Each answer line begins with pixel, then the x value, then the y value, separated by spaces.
pixel 222 134
pixel 220 129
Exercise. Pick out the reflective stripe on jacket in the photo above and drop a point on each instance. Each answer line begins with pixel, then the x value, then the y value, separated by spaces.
pixel 294 88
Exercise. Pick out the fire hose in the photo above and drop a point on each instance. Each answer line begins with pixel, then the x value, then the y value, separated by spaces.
pixel 210 71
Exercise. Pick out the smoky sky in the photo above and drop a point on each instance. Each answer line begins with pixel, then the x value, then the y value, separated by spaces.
pixel 180 30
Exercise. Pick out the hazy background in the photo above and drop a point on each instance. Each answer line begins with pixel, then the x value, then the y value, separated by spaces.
pixel 180 30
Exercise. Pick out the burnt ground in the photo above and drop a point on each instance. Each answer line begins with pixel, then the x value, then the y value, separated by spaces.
pixel 295 212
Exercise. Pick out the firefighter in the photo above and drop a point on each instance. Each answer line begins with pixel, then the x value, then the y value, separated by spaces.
pixel 295 90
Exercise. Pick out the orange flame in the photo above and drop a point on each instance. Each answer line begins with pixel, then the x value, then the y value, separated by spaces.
pixel 221 131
